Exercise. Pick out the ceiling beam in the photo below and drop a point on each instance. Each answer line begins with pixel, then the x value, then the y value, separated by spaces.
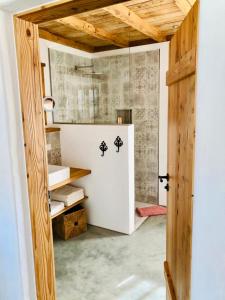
pixel 90 29
pixel 63 41
pixel 184 6
pixel 132 19
pixel 64 8
pixel 131 44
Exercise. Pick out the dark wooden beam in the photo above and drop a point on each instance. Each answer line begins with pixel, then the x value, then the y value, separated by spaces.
pixel 64 41
pixel 141 42
pixel 105 48
pixel 62 9
pixel 131 44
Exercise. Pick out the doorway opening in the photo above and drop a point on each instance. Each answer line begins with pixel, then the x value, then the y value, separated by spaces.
pixel 101 150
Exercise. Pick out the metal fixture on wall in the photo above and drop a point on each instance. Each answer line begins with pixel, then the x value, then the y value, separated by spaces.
pixel 90 67
pixel 103 147
pixel 118 143
pixel 48 103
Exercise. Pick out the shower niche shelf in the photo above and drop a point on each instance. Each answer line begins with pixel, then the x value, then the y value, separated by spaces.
pixel 124 116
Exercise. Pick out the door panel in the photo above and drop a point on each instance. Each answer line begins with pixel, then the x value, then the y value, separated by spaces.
pixel 181 138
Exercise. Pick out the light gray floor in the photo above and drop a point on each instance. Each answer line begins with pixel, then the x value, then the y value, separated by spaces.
pixel 105 265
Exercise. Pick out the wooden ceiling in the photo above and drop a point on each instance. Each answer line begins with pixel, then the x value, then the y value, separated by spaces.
pixel 97 25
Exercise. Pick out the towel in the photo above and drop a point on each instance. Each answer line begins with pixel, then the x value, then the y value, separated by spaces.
pixel 154 210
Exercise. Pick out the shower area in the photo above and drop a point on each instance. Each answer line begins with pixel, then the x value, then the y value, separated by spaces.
pixel 121 87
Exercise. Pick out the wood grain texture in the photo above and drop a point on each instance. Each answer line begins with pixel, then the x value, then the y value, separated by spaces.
pixel 181 141
pixel 51 129
pixel 139 20
pixel 132 19
pixel 184 5
pixel 75 174
pixel 185 67
pixel 69 207
pixel 169 283
pixel 97 32
pixel 36 161
pixel 63 9
pixel 64 41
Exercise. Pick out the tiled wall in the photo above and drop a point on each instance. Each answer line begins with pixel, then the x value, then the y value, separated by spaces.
pixel 127 82
pixel 72 89
pixel 54 155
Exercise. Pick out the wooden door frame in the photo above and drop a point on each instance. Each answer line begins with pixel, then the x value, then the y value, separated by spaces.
pixel 30 86
pixel 29 70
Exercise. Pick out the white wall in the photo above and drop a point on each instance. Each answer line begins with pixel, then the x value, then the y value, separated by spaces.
pixel 208 256
pixel 16 254
pixel 163 120
pixel 110 187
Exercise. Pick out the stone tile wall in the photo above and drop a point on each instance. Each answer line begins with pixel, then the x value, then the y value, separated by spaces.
pixel 132 82
pixel 72 88
pixel 127 82
pixel 54 155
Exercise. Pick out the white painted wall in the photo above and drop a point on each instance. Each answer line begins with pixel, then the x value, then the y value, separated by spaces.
pixel 208 254
pixel 16 6
pixel 110 187
pixel 163 120
pixel 17 279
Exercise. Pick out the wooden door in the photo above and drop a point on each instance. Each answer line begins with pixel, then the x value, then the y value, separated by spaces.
pixel 181 80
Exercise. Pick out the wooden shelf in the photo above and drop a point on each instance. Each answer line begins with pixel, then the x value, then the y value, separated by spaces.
pixel 51 129
pixel 69 207
pixel 75 174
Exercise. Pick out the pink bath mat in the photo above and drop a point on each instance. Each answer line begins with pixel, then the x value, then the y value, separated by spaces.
pixel 154 210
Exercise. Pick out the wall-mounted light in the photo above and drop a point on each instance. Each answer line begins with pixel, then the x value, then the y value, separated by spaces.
pixel 49 104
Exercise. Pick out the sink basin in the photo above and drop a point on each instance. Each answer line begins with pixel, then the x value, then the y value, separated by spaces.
pixel 57 174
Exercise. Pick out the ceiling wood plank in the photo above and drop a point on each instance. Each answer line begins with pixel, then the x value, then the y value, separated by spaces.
pixel 192 2
pixel 64 41
pixel 183 5
pixel 61 9
pixel 90 29
pixel 132 19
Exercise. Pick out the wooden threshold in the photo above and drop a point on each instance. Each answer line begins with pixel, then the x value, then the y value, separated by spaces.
pixel 75 174
pixel 52 129
pixel 69 207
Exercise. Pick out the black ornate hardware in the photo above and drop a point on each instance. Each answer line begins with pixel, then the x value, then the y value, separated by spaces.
pixel 118 143
pixel 103 147
pixel 167 177
pixel 167 187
